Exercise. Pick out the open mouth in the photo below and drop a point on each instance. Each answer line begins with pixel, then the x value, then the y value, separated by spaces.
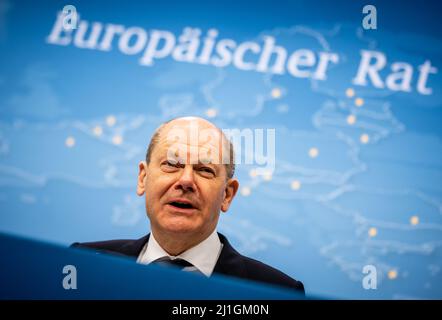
pixel 182 205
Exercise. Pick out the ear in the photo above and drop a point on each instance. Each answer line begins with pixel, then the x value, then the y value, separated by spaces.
pixel 141 178
pixel 229 193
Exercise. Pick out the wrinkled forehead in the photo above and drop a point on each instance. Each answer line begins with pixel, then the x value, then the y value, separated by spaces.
pixel 193 142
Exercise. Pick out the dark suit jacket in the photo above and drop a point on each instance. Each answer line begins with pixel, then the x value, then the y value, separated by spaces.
pixel 230 262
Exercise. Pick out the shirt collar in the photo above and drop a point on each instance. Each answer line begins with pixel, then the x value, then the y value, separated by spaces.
pixel 203 256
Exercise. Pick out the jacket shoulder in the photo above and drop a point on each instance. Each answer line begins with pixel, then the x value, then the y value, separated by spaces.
pixel 126 247
pixel 259 271
pixel 232 263
pixel 108 245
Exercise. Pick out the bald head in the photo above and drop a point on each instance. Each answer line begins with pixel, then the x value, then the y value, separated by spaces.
pixel 167 128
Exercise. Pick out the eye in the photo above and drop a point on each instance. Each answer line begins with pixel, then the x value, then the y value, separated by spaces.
pixel 207 171
pixel 170 165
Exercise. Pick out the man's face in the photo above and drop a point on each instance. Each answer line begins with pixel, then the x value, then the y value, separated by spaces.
pixel 184 193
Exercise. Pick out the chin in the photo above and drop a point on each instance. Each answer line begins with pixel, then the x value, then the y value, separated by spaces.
pixel 179 226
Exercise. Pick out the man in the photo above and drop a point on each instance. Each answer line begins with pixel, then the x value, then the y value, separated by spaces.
pixel 187 179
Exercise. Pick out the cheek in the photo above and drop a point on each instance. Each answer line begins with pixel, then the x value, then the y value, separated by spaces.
pixel 214 198
pixel 157 187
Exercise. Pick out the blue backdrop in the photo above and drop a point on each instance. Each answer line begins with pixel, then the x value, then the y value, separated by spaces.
pixel 356 114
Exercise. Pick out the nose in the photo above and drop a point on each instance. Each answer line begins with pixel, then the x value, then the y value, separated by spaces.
pixel 186 181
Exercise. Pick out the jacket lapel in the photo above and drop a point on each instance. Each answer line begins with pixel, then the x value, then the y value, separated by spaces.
pixel 230 262
pixel 133 248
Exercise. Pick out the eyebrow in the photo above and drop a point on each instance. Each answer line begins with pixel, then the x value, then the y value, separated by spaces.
pixel 206 161
pixel 201 162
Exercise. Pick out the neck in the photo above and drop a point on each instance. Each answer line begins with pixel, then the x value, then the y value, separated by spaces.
pixel 175 244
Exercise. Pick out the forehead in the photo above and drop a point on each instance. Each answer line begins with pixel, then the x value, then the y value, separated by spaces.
pixel 195 139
